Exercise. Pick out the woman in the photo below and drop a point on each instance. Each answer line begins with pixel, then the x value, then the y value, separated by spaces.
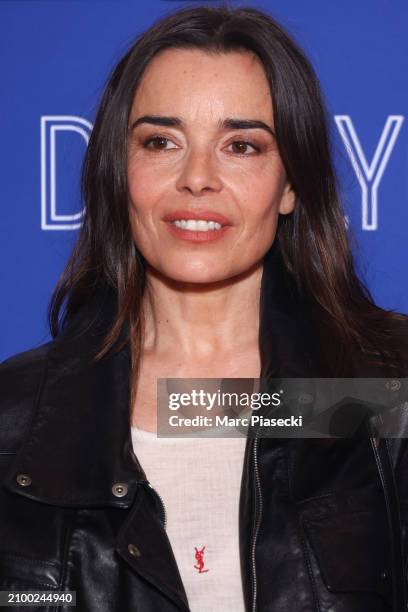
pixel 213 246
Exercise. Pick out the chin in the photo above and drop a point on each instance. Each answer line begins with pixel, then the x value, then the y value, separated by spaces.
pixel 194 274
pixel 201 278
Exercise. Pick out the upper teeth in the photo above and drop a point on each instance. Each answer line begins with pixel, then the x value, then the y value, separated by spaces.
pixel 197 226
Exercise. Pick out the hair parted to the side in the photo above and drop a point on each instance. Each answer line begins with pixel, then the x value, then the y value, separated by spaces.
pixel 312 240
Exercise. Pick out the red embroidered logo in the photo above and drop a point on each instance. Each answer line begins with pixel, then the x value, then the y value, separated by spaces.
pixel 199 556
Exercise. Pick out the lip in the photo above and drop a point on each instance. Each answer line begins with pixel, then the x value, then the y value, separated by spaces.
pixel 202 215
pixel 199 237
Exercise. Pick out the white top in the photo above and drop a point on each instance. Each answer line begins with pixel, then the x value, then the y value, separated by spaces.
pixel 199 481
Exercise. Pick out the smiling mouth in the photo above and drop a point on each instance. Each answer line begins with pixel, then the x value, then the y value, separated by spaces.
pixel 195 225
pixel 200 231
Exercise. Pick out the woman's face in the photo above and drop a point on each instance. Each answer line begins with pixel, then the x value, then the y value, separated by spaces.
pixel 206 182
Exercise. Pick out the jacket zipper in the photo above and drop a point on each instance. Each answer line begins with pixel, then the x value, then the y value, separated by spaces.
pixel 258 506
pixel 161 503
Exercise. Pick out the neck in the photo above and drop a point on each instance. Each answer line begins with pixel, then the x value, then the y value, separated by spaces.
pixel 201 320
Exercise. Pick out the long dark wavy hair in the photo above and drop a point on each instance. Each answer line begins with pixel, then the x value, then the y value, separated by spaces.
pixel 312 241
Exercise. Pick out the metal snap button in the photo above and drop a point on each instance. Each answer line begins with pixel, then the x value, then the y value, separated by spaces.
pixel 133 550
pixel 393 385
pixel 383 575
pixel 120 489
pixel 24 480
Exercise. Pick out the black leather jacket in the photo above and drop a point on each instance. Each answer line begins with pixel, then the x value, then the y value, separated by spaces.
pixel 323 522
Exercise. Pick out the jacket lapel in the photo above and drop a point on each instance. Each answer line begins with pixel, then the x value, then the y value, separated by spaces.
pixel 79 444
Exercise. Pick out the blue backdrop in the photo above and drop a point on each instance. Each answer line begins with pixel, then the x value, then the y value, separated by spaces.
pixel 55 57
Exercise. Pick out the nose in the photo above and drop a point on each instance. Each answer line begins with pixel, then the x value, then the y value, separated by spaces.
pixel 199 174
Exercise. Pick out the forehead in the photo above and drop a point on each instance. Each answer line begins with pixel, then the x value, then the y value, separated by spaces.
pixel 196 83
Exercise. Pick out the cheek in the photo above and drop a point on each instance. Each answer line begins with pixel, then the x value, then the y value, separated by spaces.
pixel 143 193
pixel 139 184
pixel 260 197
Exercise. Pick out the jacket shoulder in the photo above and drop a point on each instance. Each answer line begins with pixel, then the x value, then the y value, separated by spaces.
pixel 20 381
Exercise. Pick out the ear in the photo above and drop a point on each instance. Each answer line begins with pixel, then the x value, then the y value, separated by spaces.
pixel 288 200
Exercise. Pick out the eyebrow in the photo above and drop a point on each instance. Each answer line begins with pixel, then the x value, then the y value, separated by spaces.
pixel 230 124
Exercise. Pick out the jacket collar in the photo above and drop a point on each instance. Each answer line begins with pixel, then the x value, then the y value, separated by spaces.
pixel 79 444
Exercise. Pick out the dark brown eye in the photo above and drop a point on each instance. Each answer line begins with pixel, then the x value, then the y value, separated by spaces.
pixel 158 143
pixel 241 147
